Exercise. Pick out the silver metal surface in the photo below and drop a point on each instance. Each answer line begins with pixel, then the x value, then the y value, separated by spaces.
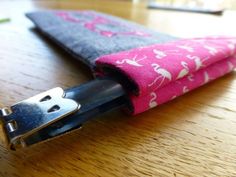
pixel 27 122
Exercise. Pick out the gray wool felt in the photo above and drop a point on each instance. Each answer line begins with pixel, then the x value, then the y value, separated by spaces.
pixel 69 32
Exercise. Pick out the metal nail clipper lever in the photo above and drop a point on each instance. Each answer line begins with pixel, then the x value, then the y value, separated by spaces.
pixel 56 111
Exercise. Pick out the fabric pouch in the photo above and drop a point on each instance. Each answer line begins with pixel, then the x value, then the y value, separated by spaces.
pixel 158 66
pixel 162 72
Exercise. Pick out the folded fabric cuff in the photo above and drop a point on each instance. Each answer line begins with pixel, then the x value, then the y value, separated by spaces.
pixel 164 71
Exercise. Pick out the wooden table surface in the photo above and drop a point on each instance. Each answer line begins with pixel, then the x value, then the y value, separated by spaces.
pixel 193 135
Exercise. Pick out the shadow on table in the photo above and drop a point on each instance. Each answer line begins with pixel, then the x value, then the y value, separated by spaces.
pixel 115 139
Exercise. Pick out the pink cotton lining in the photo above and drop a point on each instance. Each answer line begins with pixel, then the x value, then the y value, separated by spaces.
pixel 164 71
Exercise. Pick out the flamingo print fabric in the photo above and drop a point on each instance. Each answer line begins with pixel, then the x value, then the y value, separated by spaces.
pixel 163 72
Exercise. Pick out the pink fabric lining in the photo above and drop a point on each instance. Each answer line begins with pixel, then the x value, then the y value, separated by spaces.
pixel 164 71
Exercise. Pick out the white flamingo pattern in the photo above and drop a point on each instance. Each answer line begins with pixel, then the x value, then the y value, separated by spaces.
pixel 164 73
pixel 213 51
pixel 206 77
pixel 185 89
pixel 230 65
pixel 232 48
pixel 133 61
pixel 152 102
pixel 184 71
pixel 190 77
pixel 159 54
pixel 186 47
pixel 198 61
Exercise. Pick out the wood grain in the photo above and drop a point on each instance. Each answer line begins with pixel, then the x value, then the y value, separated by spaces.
pixel 194 135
